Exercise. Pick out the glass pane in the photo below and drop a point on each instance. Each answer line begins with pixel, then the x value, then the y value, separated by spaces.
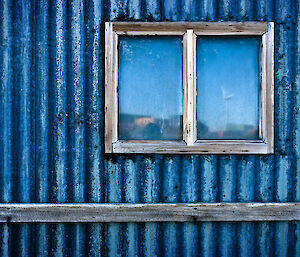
pixel 150 88
pixel 228 79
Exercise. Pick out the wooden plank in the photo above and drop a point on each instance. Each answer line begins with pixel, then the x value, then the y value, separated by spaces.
pixel 115 99
pixel 263 128
pixel 270 87
pixel 227 33
pixel 185 91
pixel 203 28
pixel 151 33
pixel 199 147
pixel 62 213
pixel 111 81
pixel 189 88
pixel 108 84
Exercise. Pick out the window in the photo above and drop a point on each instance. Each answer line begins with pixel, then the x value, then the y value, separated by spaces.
pixel 180 87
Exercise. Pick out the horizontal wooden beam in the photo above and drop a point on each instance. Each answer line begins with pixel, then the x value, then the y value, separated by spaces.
pixel 199 147
pixel 64 213
pixel 200 28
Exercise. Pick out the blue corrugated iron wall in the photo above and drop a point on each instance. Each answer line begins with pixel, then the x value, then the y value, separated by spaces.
pixel 51 135
pixel 163 239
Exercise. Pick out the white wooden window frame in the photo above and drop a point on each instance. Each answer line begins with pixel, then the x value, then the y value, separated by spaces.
pixel 189 31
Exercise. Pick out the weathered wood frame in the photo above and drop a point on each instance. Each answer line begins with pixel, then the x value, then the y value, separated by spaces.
pixel 189 31
pixel 189 212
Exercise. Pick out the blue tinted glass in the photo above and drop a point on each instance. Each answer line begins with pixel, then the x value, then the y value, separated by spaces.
pixel 228 79
pixel 150 88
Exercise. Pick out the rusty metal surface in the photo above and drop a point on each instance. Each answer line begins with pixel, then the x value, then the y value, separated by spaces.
pixel 51 132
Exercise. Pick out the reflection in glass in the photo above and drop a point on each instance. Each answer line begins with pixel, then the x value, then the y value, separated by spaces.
pixel 228 78
pixel 150 88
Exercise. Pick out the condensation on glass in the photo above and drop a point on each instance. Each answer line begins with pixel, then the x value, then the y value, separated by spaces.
pixel 150 88
pixel 228 87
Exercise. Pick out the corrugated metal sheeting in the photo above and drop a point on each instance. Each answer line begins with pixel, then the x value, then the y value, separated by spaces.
pixel 51 135
pixel 151 239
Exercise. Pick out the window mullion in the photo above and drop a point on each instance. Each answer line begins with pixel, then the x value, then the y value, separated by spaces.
pixel 189 87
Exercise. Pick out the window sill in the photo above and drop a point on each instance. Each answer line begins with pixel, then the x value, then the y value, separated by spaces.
pixel 199 147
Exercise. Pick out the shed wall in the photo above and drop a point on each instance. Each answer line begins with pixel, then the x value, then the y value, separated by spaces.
pixel 52 124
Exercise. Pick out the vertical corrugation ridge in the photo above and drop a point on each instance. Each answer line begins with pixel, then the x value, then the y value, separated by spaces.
pixel 133 243
pixel 114 240
pixel 208 239
pixel 118 10
pixel 245 177
pixel 27 103
pixel 281 97
pixel 6 104
pixel 227 243
pixel 43 100
pixel 246 10
pixel 281 237
pixel 285 11
pixel 228 174
pixel 79 232
pixel 297 236
pixel 134 9
pixel 297 104
pixel 151 180
pixel 209 179
pixel 189 10
pixel 151 239
pixel 170 10
pixel 61 105
pixel 77 139
pixel 264 234
pixel 291 27
pixel 190 239
pixel 42 244
pixel 131 180
pixel 42 132
pixel 3 49
pixel 227 10
pixel 246 244
pixel 171 179
pixel 283 93
pixel 4 242
pixel 17 48
pixel 96 240
pixel 59 240
pixel 285 74
pixel 211 10
pixel 265 10
pixel 94 170
pixel 151 194
pixel 24 242
pixel 265 175
pixel 171 239
pixel 153 10
pixel 190 180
